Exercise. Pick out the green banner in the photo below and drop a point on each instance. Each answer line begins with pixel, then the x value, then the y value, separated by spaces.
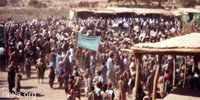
pixel 88 42
pixel 1 33
pixel 185 18
pixel 196 18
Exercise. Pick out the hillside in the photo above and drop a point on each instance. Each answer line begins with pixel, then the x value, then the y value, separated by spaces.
pixel 22 10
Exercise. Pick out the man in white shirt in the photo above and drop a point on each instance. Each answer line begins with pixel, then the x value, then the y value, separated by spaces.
pixel 72 53
pixel 110 68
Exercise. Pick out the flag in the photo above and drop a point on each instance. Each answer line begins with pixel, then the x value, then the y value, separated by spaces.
pixel 88 42
pixel 73 16
pixel 196 18
pixel 185 18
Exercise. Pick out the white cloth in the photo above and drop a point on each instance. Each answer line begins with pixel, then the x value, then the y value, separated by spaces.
pixel 72 55
pixel 2 51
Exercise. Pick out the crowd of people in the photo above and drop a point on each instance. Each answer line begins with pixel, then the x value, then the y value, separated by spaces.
pixel 51 43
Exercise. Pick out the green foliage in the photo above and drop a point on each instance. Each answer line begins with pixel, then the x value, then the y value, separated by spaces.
pixel 187 3
pixel 188 27
pixel 36 3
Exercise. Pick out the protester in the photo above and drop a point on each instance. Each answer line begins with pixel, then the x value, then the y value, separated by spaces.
pixel 2 57
pixel 40 69
pixel 11 77
pixel 51 77
pixel 110 92
pixel 92 95
pixel 122 89
pixel 18 78
pixel 149 83
pixel 28 68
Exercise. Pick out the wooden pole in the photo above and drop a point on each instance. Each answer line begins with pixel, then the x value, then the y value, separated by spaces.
pixel 137 79
pixel 174 70
pixel 185 66
pixel 156 78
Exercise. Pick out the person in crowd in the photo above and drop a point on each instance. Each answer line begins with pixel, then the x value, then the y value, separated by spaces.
pixel 131 82
pixel 51 77
pixel 13 58
pixel 67 63
pixel 11 77
pixel 40 66
pixel 71 95
pixel 109 73
pixel 110 92
pixel 98 78
pixel 70 84
pixel 60 74
pixel 103 70
pixel 161 86
pixel 117 72
pixel 28 68
pixel 122 90
pixel 91 94
pixel 149 83
pixel 2 57
pixel 18 78
pixel 72 53
pixel 103 92
pixel 77 84
pixel 87 60
pixel 92 64
pixel 21 61
pixel 126 78
pixel 88 84
pixel 98 90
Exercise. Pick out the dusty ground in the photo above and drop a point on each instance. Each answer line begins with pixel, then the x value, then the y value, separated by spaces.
pixel 43 91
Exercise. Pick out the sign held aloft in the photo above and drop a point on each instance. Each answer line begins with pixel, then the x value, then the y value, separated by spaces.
pixel 88 42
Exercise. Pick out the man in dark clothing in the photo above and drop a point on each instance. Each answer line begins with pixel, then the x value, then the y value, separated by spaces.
pixel 149 83
pixel 87 59
pixel 51 76
pixel 14 58
pixel 28 67
pixel 47 48
pixel 11 77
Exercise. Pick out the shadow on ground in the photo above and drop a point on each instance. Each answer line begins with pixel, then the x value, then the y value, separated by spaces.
pixel 186 92
pixel 28 87
pixel 9 98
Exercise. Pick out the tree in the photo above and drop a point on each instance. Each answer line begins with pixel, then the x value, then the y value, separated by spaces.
pixel 131 2
pixel 159 3
pixel 187 3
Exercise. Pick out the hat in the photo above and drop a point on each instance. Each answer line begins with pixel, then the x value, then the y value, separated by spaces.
pixel 125 55
pixel 70 80
pixel 121 76
pixel 133 58
pixel 74 67
pixel 109 84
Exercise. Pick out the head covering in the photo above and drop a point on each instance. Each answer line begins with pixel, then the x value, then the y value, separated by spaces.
pixel 109 84
pixel 121 76
pixel 74 67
